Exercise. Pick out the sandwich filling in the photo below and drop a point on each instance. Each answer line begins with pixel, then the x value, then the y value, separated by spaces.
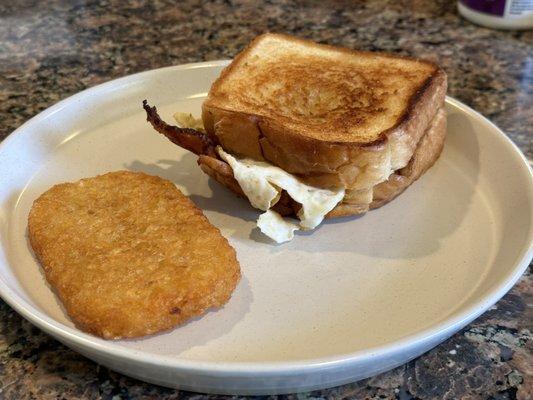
pixel 281 194
pixel 262 184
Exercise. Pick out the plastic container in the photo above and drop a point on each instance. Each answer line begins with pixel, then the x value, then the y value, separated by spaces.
pixel 498 14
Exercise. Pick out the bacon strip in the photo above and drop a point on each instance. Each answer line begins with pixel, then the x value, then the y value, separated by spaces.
pixel 203 145
pixel 190 139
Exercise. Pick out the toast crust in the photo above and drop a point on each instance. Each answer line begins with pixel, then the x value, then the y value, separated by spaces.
pixel 426 154
pixel 319 159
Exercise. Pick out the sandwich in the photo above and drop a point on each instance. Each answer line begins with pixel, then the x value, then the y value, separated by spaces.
pixel 312 131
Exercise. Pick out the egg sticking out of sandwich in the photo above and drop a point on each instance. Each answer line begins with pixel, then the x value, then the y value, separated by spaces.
pixel 313 131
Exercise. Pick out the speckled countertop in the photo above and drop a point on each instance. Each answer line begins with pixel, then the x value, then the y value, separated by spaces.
pixel 50 50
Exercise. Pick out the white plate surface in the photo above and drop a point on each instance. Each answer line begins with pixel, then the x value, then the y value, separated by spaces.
pixel 353 298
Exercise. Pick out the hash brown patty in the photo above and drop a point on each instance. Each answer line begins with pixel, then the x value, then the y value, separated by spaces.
pixel 129 255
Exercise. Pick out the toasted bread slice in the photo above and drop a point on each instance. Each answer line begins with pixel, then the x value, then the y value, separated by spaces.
pixel 424 156
pixel 334 117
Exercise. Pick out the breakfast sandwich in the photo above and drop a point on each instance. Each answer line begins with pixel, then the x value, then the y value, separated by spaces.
pixel 312 131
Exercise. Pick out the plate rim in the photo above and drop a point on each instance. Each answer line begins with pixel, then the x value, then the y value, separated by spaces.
pixel 83 340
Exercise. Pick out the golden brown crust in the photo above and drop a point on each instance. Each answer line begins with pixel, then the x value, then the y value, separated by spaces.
pixel 313 151
pixel 129 255
pixel 426 153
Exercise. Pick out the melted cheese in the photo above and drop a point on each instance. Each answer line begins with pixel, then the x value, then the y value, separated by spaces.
pixel 186 120
pixel 262 183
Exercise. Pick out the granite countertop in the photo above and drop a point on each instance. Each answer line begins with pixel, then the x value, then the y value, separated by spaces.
pixel 50 50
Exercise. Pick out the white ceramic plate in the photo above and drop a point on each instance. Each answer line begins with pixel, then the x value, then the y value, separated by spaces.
pixel 351 299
